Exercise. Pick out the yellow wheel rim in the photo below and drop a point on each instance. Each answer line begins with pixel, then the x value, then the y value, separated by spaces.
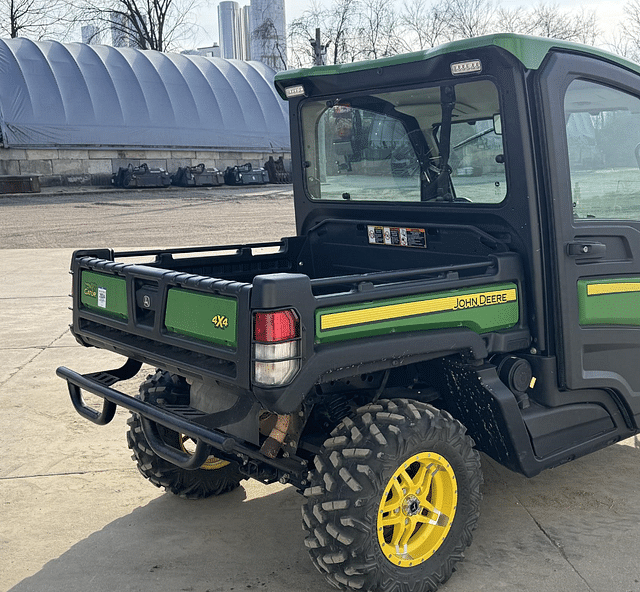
pixel 417 509
pixel 211 464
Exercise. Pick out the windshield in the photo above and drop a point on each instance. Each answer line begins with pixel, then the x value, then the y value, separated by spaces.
pixel 404 146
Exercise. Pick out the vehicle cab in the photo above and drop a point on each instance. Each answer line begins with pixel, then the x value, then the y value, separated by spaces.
pixel 536 142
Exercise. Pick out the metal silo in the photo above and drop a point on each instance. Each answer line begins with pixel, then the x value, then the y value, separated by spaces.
pixel 229 30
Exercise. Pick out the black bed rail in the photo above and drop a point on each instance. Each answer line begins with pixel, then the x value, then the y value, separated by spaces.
pixel 387 276
pixel 110 253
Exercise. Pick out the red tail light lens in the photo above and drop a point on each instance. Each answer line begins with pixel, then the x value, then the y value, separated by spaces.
pixel 276 348
pixel 271 327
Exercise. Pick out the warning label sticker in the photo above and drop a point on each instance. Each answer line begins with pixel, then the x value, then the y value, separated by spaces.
pixel 396 236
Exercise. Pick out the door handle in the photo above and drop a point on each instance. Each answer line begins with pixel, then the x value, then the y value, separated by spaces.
pixel 586 249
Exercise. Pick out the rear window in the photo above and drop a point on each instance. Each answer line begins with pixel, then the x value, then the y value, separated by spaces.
pixel 392 147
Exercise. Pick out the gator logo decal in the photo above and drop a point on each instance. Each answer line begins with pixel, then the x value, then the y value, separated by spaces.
pixel 90 289
pixel 220 322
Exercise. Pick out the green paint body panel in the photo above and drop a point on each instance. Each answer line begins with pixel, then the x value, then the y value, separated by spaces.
pixel 481 319
pixel 530 51
pixel 193 314
pixel 105 294
pixel 619 308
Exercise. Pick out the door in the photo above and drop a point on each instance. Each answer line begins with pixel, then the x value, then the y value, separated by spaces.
pixel 591 112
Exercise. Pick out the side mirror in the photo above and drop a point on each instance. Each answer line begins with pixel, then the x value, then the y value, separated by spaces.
pixel 497 124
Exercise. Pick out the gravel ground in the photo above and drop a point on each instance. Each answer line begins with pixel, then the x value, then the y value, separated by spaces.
pixel 78 218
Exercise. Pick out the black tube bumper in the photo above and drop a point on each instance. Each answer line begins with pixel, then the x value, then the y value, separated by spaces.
pixel 207 439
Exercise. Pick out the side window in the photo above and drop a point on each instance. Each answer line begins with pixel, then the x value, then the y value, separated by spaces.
pixel 603 135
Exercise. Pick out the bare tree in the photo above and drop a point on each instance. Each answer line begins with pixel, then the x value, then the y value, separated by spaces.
pixel 468 18
pixel 351 29
pixel 299 35
pixel 341 30
pixel 423 24
pixel 620 43
pixel 273 48
pixel 548 20
pixel 628 42
pixel 514 20
pixel 145 24
pixel 35 19
pixel 337 25
pixel 586 26
pixel 300 31
pixel 369 29
pixel 377 31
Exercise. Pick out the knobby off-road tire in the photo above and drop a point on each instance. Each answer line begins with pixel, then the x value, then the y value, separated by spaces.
pixel 394 498
pixel 214 478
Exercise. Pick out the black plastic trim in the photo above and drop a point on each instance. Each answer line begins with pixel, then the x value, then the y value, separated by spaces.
pixel 341 360
pixel 482 402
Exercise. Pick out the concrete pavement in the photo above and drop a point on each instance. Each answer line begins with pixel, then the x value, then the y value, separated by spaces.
pixel 75 515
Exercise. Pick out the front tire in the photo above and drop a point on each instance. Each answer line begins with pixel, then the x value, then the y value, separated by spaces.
pixel 215 477
pixel 394 498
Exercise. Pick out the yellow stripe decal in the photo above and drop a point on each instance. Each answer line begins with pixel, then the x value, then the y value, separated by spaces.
pixel 389 312
pixel 612 288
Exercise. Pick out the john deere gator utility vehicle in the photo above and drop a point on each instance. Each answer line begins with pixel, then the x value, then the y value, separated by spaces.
pixel 465 277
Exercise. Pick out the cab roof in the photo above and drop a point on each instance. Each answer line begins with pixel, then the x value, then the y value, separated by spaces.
pixel 529 50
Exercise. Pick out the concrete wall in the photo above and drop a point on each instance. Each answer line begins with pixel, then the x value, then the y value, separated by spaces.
pixel 94 167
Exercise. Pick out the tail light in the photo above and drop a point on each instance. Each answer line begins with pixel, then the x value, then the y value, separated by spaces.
pixel 276 347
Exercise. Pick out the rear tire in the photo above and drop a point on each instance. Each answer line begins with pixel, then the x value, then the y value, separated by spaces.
pixel 215 477
pixel 394 498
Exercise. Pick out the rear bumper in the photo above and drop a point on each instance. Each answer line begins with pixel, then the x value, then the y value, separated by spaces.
pixel 178 418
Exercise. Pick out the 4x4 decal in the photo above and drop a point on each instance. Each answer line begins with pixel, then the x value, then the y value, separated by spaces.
pixel 220 322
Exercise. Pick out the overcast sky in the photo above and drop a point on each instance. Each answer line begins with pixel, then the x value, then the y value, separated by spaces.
pixel 610 13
